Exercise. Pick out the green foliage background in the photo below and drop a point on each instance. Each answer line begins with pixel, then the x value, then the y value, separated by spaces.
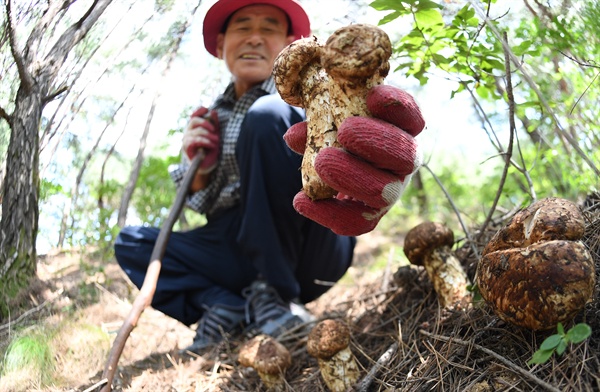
pixel 555 88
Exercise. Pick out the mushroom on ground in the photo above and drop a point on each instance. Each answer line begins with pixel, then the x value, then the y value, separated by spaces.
pixel 329 342
pixel 331 83
pixel 429 244
pixel 269 358
pixel 535 272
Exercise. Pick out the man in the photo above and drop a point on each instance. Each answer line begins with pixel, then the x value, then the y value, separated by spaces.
pixel 257 260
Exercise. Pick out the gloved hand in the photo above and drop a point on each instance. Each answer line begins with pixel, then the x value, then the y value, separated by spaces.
pixel 372 169
pixel 202 133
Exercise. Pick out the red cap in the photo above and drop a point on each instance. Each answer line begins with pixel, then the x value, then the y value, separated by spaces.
pixel 218 14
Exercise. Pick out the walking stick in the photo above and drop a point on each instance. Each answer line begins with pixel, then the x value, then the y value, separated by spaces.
pixel 148 288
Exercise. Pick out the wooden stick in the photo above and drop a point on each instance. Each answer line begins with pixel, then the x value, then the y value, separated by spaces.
pixel 148 288
pixel 385 358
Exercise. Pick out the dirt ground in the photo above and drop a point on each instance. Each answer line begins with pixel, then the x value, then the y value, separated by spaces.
pixel 401 338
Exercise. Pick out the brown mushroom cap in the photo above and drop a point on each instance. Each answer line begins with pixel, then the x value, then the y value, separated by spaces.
pixel 548 219
pixel 537 286
pixel 356 52
pixel 290 68
pixel 327 338
pixel 424 238
pixel 265 354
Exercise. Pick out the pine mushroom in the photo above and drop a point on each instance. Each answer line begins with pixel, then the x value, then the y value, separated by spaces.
pixel 535 272
pixel 331 82
pixel 429 244
pixel 329 343
pixel 269 358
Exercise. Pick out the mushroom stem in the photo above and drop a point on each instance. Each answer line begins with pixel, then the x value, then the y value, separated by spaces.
pixel 339 372
pixel 447 276
pixel 428 244
pixel 302 82
pixel 329 342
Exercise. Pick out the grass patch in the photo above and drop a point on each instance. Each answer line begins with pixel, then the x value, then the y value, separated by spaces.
pixel 48 356
pixel 29 360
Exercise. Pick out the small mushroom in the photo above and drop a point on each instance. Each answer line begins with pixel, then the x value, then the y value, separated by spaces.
pixel 429 244
pixel 329 342
pixel 330 82
pixel 535 272
pixel 269 358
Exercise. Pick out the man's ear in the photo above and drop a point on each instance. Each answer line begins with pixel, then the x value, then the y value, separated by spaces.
pixel 220 43
pixel 290 39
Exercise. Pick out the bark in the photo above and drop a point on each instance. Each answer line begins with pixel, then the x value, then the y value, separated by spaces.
pixel 19 224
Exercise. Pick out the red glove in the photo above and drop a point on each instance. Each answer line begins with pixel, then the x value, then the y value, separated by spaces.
pixel 372 170
pixel 202 133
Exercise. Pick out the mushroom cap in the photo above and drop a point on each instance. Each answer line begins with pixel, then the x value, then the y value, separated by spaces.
pixel 290 66
pixel 537 286
pixel 548 219
pixel 327 338
pixel 357 51
pixel 265 354
pixel 424 238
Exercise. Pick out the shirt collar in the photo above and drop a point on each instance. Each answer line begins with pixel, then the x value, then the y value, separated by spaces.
pixel 266 87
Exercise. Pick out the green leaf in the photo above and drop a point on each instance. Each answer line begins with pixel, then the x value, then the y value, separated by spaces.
pixel 390 17
pixel 560 329
pixel 429 18
pixel 562 346
pixel 540 356
pixel 482 91
pixel 383 5
pixel 579 333
pixel 466 12
pixel 522 48
pixel 551 342
pixel 426 5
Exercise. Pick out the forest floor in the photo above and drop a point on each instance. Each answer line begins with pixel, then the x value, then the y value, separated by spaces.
pixel 402 339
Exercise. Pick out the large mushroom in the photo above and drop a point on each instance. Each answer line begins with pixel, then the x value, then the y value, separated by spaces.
pixel 269 358
pixel 329 342
pixel 430 244
pixel 535 272
pixel 331 83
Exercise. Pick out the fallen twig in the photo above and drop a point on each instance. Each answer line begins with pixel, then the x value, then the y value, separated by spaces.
pixel 97 385
pixel 509 364
pixel 383 360
pixel 148 288
pixel 30 311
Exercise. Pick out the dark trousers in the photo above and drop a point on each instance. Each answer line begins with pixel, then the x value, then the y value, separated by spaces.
pixel 262 236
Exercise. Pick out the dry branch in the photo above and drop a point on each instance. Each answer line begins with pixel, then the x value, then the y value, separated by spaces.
pixel 148 288
pixel 383 360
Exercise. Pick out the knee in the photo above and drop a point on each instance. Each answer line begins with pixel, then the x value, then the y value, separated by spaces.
pixel 268 118
pixel 133 241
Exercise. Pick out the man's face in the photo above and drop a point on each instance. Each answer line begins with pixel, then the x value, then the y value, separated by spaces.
pixel 254 37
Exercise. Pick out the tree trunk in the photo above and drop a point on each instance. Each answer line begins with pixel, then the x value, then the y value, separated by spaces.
pixel 19 224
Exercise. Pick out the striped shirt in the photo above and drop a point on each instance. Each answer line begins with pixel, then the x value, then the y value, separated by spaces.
pixel 223 190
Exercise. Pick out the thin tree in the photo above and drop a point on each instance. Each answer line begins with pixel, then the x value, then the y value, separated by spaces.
pixel 176 34
pixel 37 75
